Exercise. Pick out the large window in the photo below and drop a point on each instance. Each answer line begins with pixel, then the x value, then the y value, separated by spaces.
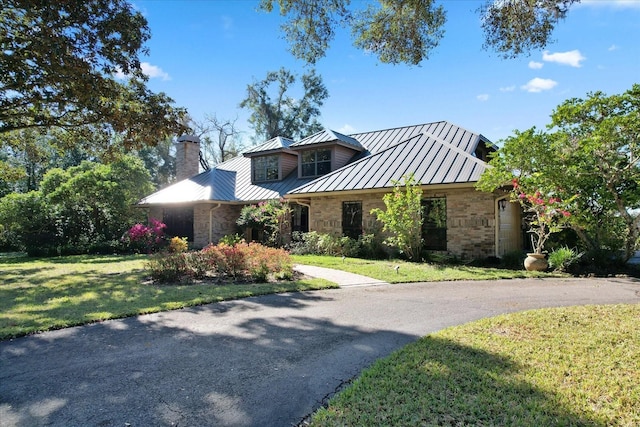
pixel 179 222
pixel 265 168
pixel 352 219
pixel 316 162
pixel 434 226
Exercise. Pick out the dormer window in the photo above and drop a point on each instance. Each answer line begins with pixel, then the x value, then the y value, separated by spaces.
pixel 316 162
pixel 265 168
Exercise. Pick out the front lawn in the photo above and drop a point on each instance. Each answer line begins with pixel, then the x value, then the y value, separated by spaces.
pixel 414 272
pixel 53 293
pixel 575 366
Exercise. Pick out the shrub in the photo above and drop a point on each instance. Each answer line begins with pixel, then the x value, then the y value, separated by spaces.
pixel 563 258
pixel 263 261
pixel 233 262
pixel 178 245
pixel 143 238
pixel 168 268
pixel 232 239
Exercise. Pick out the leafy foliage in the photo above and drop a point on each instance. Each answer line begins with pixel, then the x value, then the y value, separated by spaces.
pixel 270 217
pixel 59 59
pixel 514 27
pixel 240 262
pixel 282 114
pixel 403 217
pixel 80 209
pixel 591 150
pixel 367 245
pixel 146 238
pixel 407 31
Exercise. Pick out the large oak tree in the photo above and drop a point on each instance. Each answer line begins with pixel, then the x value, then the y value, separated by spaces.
pixel 58 62
pixel 407 31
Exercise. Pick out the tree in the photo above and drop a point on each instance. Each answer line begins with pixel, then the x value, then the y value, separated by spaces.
pixel 407 31
pixel 59 59
pixel 219 138
pixel 589 155
pixel 284 115
pixel 83 208
pixel 403 217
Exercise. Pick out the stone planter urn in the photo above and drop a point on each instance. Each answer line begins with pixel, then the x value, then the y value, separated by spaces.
pixel 536 262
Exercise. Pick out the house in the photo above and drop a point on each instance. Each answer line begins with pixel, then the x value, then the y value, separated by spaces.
pixel 334 180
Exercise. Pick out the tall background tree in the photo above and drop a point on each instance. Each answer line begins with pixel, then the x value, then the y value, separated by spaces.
pixel 220 139
pixel 407 31
pixel 274 112
pixel 590 154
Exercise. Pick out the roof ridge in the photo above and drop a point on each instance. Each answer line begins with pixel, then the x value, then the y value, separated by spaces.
pixel 399 127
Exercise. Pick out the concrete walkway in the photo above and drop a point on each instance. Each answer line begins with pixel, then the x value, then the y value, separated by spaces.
pixel 342 278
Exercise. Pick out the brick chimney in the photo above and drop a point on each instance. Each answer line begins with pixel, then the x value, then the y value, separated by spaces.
pixel 187 157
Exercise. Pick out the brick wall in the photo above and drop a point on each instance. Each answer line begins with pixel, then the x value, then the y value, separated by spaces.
pixel 470 218
pixel 223 222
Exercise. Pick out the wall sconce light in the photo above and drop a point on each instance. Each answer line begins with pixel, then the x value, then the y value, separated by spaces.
pixel 502 204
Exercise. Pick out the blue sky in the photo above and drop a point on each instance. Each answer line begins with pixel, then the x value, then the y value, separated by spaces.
pixel 204 54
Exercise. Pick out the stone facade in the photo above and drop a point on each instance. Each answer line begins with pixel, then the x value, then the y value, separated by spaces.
pixel 471 225
pixel 470 218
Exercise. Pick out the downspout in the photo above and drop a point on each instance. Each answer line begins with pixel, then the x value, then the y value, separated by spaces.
pixel 211 221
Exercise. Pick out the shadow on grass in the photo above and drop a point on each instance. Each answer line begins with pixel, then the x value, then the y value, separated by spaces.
pixel 437 381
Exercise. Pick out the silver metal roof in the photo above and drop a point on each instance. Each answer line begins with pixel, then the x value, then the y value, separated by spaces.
pixel 328 135
pixel 437 153
pixel 430 159
pixel 274 144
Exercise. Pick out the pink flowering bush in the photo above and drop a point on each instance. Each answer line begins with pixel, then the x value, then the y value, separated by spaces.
pixel 146 238
pixel 548 214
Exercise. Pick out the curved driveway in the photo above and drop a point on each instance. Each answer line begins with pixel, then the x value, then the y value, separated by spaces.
pixel 264 361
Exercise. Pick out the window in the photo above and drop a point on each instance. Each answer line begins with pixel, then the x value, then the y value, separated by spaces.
pixel 434 226
pixel 265 168
pixel 179 222
pixel 316 162
pixel 352 219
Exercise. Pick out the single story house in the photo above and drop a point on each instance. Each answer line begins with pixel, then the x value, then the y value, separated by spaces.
pixel 334 180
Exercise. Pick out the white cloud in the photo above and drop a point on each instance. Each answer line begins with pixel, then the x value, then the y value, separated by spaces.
pixel 538 85
pixel 613 47
pixel 482 97
pixel 153 71
pixel 347 129
pixel 535 65
pixel 508 88
pixel 572 58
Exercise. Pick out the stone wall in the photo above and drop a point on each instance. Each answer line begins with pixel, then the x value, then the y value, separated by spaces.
pixel 470 218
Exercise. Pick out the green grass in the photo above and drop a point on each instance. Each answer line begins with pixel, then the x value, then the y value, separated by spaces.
pixel 44 294
pixel 576 366
pixel 414 272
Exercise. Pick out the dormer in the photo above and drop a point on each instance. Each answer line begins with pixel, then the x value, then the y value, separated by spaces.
pixel 484 149
pixel 324 152
pixel 272 161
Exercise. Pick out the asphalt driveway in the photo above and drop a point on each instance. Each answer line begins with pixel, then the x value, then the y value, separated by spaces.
pixel 264 361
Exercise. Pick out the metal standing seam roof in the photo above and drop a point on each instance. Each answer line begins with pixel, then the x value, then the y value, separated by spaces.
pixel 437 153
pixel 328 135
pixel 274 144
pixel 432 161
